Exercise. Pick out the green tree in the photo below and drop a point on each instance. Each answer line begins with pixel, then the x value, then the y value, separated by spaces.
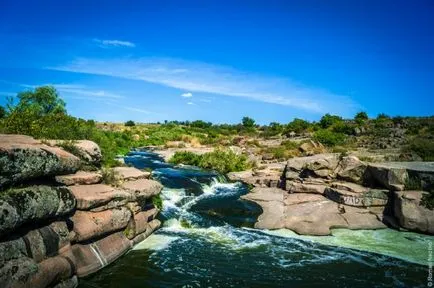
pixel 43 100
pixel 328 120
pixel 248 122
pixel 2 112
pixel 361 117
pixel 130 123
pixel 297 125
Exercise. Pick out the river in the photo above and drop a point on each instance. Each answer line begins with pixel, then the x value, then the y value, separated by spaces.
pixel 207 240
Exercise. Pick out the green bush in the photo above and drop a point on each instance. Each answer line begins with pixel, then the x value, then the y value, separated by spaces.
pixel 185 157
pixel 428 200
pixel 329 138
pixel 130 123
pixel 157 201
pixel 422 147
pixel 223 161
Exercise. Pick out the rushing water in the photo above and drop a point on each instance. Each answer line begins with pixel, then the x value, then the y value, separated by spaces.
pixel 207 240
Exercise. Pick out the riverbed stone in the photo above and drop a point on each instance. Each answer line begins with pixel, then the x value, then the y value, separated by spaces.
pixel 79 178
pixel 351 169
pixel 24 158
pixel 88 225
pixel 32 204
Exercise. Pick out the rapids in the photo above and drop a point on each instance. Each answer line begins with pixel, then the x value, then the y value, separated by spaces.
pixel 208 240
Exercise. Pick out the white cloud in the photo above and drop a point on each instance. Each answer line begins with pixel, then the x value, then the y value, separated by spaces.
pixel 187 95
pixel 219 80
pixel 78 89
pixel 114 43
pixel 190 103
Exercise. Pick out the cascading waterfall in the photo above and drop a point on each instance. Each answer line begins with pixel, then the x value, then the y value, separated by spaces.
pixel 208 240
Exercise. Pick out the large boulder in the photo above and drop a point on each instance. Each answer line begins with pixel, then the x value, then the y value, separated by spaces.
pixel 88 225
pixel 320 165
pixel 86 150
pixel 17 272
pixel 397 175
pixel 32 204
pixel 305 187
pixel 271 202
pixel 411 214
pixel 23 158
pixel 351 169
pixel 99 197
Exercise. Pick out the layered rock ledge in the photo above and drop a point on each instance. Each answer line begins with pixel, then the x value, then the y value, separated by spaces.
pixel 61 223
pixel 317 193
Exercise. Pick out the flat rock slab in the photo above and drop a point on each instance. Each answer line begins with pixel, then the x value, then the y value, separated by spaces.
pixel 271 202
pixel 79 178
pixel 88 225
pixel 298 187
pixel 23 158
pixel 143 188
pixel 316 215
pixel 350 187
pixel 372 197
pixel 130 173
pixel 33 204
pixel 410 214
pixel 92 257
pixel 99 197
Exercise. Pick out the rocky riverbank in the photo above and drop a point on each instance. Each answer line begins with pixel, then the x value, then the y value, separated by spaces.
pixel 311 195
pixel 59 223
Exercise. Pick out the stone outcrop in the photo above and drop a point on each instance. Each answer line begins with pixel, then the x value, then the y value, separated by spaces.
pixel 130 173
pixel 60 224
pixel 86 150
pixel 100 197
pixel 32 204
pixel 327 191
pixel 79 178
pixel 410 214
pixel 23 158
pixel 307 214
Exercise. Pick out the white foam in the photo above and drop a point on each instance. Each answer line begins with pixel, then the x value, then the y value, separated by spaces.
pixel 155 242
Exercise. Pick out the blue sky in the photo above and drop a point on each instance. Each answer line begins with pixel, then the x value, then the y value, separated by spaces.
pixel 221 60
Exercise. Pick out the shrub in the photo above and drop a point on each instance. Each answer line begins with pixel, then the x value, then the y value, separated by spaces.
pixel 130 123
pixel 157 201
pixel 428 200
pixel 361 117
pixel 328 120
pixel 422 147
pixel 223 161
pixel 329 138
